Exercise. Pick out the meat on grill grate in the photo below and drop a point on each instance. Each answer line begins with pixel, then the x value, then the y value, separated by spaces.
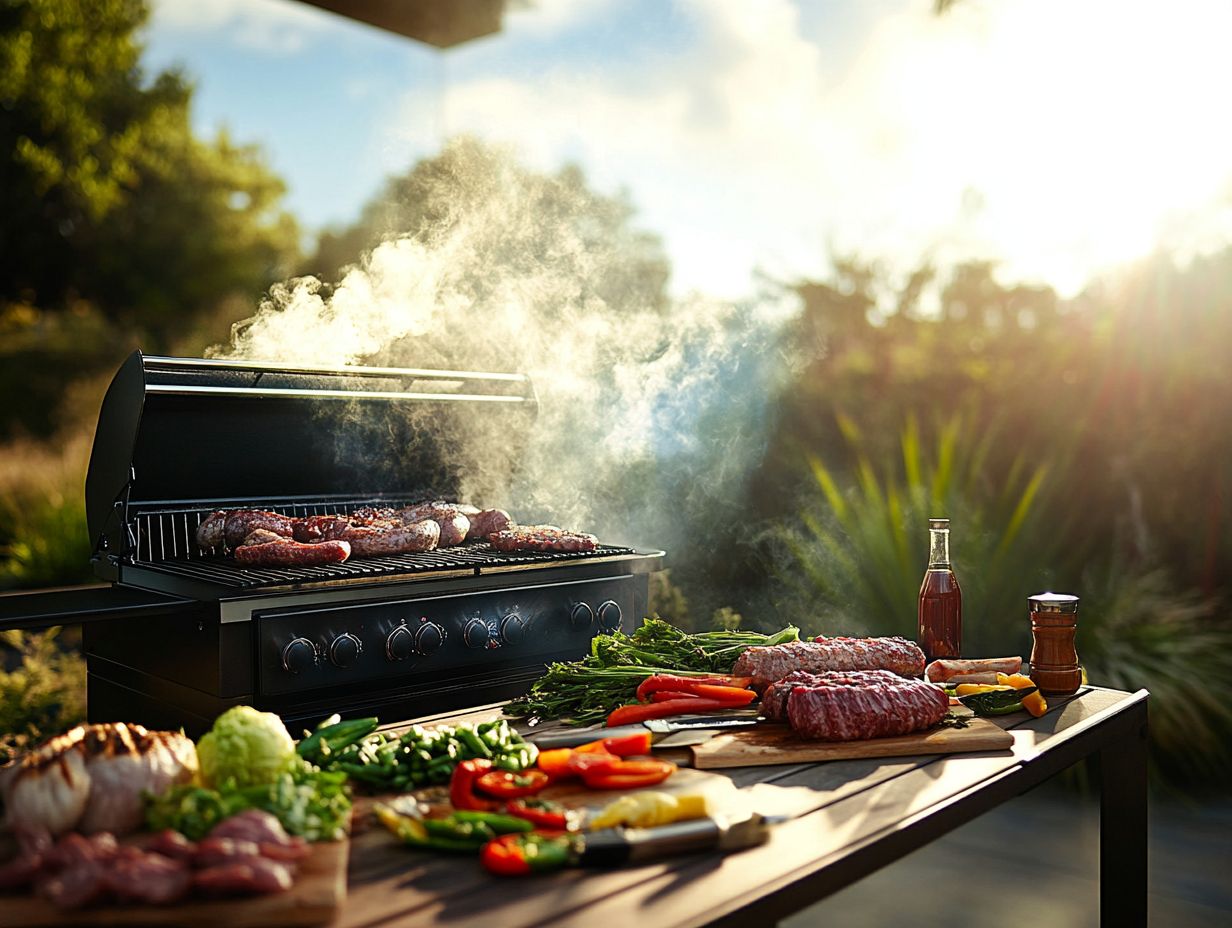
pixel 541 538
pixel 862 704
pixel 283 552
pixel 767 664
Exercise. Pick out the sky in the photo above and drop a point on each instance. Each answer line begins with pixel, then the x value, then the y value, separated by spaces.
pixel 1061 139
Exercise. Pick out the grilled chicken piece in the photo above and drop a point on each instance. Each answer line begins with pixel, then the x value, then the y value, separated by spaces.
pixel 453 523
pixel 47 790
pixel 125 761
pixel 92 778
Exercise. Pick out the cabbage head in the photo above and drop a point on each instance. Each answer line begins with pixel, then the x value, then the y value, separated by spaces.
pixel 245 746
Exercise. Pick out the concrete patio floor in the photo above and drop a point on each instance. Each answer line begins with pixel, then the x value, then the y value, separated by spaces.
pixel 1035 861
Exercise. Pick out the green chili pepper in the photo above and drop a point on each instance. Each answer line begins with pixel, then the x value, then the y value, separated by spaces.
pixel 498 822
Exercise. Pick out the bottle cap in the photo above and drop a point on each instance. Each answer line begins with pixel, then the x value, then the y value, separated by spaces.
pixel 1053 602
pixel 938 523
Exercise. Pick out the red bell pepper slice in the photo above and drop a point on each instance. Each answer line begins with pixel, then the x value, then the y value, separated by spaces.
pixel 505 784
pixel 523 854
pixel 593 761
pixel 626 746
pixel 629 774
pixel 667 681
pixel 639 712
pixel 727 694
pixel 542 813
pixel 462 786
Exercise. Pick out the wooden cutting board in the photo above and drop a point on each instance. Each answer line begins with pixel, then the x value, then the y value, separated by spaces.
pixel 319 890
pixel 776 743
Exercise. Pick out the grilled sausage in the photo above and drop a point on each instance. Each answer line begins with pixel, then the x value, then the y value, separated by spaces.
pixel 971 671
pixel 369 540
pixel 287 553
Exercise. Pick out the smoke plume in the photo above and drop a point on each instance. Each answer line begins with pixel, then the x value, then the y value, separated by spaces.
pixel 649 408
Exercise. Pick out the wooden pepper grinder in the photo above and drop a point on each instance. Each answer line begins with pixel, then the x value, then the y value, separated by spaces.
pixel 1054 657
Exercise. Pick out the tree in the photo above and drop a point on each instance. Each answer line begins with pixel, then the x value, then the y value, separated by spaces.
pixel 119 225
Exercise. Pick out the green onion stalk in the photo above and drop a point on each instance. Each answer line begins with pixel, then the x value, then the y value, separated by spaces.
pixel 585 692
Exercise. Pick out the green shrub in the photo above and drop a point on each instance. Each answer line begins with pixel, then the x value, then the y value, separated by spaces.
pixel 1135 631
pixel 45 691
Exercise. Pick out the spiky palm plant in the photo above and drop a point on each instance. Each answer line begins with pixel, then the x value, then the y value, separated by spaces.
pixel 860 551
pixel 1136 631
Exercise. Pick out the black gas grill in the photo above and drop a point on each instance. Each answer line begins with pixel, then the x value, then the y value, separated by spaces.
pixel 398 635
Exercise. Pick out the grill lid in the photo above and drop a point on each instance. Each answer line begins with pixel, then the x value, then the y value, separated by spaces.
pixel 187 431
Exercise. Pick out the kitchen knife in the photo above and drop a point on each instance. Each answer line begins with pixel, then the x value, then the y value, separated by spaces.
pixel 660 729
pixel 524 853
pixel 615 846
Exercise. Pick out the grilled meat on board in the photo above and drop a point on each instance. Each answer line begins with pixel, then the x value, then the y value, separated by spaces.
pixel 93 777
pixel 767 664
pixel 861 704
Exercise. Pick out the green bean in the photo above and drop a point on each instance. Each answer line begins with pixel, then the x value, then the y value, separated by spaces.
pixel 468 737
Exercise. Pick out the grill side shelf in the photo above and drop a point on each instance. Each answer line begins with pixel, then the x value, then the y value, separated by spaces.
pixel 38 609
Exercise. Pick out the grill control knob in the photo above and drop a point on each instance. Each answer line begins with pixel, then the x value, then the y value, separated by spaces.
pixel 609 617
pixel 298 656
pixel 512 629
pixel 399 644
pixel 429 638
pixel 476 634
pixel 344 650
pixel 581 615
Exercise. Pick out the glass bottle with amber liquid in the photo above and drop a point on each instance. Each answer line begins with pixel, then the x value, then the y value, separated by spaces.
pixel 939 607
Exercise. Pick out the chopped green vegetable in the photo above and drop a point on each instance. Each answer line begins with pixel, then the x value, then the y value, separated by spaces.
pixel 308 801
pixel 388 762
pixel 585 691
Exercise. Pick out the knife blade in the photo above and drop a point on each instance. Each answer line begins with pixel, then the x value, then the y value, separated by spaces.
pixel 658 728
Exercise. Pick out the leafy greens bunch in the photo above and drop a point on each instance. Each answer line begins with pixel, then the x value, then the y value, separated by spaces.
pixel 584 692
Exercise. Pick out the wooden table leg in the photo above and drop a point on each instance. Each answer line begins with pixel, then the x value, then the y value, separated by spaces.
pixel 1123 831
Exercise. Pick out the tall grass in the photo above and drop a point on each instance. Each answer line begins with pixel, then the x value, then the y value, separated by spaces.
pixel 43 536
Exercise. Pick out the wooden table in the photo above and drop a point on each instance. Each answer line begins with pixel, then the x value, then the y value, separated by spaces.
pixel 859 816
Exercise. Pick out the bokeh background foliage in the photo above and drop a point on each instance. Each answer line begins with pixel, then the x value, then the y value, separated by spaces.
pixel 1079 444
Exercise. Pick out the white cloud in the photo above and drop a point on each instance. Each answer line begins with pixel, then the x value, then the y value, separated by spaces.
pixel 276 27
pixel 1060 138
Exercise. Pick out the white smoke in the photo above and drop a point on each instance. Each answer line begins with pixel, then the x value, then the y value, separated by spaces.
pixel 646 409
